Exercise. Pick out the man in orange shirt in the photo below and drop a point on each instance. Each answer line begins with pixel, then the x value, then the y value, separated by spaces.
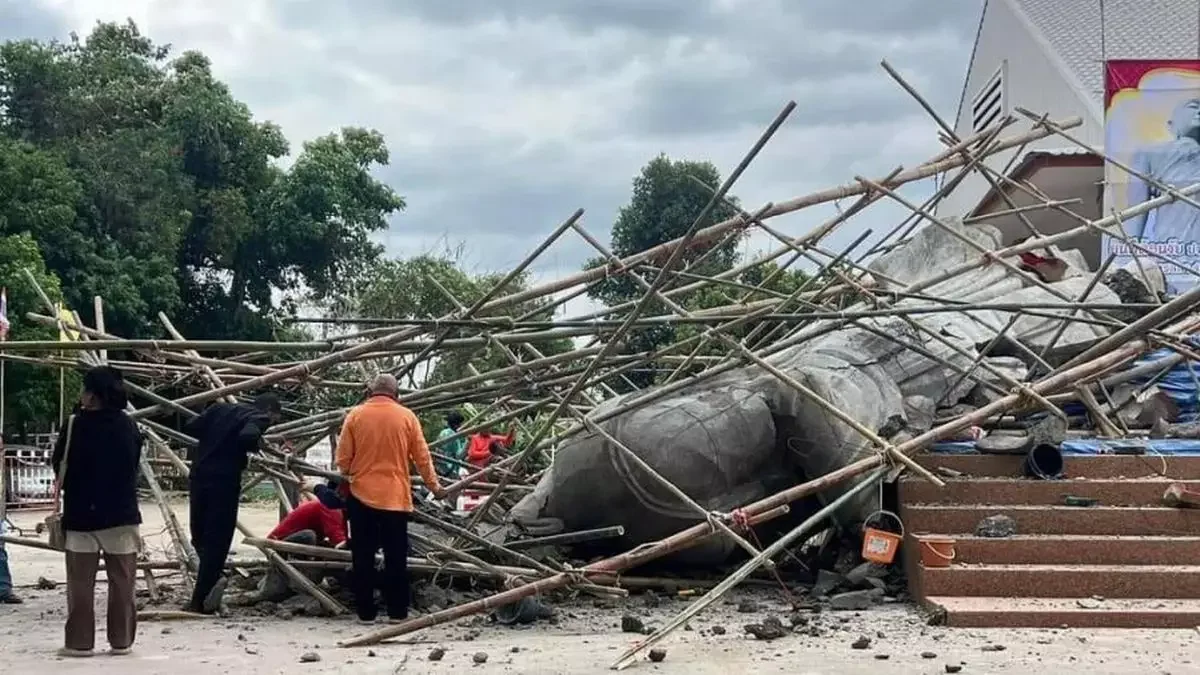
pixel 380 439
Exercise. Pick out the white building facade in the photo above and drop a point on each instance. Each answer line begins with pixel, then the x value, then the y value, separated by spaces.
pixel 1047 57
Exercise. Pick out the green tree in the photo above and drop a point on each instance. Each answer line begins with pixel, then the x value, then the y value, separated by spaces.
pixel 413 289
pixel 31 390
pixel 667 197
pixel 179 201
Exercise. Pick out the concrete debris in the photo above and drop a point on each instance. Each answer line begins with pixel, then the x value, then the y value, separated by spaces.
pixel 632 624
pixel 856 601
pixel 996 527
pixel 771 628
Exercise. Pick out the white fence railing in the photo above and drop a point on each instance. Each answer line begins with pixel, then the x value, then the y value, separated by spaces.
pixel 27 476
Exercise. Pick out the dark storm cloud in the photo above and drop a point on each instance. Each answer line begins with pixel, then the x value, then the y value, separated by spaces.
pixel 652 16
pixel 504 116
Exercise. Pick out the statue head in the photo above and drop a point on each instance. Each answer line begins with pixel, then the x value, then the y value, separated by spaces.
pixel 1185 119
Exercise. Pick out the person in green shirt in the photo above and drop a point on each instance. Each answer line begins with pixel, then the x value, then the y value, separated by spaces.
pixel 455 448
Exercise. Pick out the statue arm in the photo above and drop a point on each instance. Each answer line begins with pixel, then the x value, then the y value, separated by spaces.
pixel 1138 192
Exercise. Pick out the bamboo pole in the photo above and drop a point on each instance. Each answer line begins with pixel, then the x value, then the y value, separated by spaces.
pixel 673 258
pixel 689 536
pixel 745 570
pixel 718 230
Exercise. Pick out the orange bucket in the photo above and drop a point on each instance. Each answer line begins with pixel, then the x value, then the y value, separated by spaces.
pixel 937 551
pixel 880 546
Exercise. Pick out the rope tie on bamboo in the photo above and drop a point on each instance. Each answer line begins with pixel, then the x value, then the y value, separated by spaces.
pixel 1026 397
pixel 575 574
pixel 712 518
pixel 740 519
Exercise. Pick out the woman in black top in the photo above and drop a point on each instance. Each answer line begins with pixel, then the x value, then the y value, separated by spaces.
pixel 96 461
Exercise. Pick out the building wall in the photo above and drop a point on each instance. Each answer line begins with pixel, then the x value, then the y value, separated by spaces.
pixel 1033 80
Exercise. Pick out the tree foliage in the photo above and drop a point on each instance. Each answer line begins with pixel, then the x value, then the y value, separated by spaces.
pixel 667 197
pixel 143 180
pixel 32 392
pixel 431 287
pixel 169 195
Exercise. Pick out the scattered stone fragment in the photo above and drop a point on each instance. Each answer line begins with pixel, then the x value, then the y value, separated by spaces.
pixel 928 655
pixel 310 657
pixel 718 630
pixel 770 629
pixel 863 642
pixel 882 657
pixel 1087 603
pixel 953 668
pixel 994 648
pixel 252 651
pixel 479 658
pixel 436 654
pixel 658 654
pixel 864 572
pixel 798 620
pixel 371 653
pixel 44 584
pixel 996 527
pixel 167 631
pixel 748 607
pixel 855 601
pixel 515 650
pixel 632 624
pixel 826 582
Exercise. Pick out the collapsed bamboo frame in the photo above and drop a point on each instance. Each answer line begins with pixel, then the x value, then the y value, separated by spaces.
pixel 544 389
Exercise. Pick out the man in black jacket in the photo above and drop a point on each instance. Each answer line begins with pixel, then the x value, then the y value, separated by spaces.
pixel 227 433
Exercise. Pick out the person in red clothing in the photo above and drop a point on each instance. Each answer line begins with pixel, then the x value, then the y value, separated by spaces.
pixel 318 522
pixel 483 447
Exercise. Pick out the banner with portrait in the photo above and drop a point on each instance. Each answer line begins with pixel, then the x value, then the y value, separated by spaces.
pixel 1152 126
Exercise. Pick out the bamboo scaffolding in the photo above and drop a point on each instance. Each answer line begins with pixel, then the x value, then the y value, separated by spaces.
pixel 553 398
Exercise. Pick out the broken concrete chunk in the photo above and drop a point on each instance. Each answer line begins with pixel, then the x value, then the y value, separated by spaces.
pixel 827 581
pixel 632 624
pixel 867 570
pixel 856 600
pixel 770 629
pixel 996 527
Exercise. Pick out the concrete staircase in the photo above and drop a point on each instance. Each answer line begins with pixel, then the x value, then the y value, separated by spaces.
pixel 1127 562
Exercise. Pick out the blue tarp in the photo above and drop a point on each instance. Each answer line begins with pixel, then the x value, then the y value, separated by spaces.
pixel 1179 383
pixel 1182 447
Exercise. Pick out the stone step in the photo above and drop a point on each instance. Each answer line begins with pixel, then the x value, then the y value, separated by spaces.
pixel 1096 520
pixel 1074 466
pixel 1067 549
pixel 1063 581
pixel 1001 612
pixel 1109 491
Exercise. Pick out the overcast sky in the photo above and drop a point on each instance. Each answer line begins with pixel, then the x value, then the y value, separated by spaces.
pixel 504 116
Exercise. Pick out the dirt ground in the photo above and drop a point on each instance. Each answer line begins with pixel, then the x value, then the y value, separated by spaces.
pixel 584 639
